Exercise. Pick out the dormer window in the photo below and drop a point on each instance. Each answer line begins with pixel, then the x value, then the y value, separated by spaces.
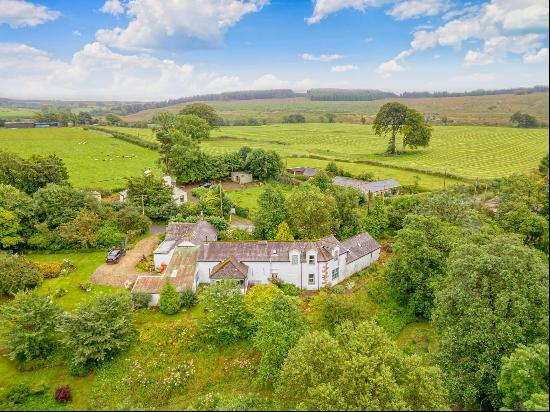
pixel 294 259
pixel 311 258
pixel 335 254
pixel 274 252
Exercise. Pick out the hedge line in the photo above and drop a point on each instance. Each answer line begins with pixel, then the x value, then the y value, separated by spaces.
pixel 126 137
pixel 393 166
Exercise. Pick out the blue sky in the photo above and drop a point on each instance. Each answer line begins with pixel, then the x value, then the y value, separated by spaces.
pixel 153 49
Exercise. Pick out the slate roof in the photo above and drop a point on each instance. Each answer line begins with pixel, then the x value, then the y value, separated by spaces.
pixel 229 268
pixel 195 233
pixel 366 187
pixel 265 251
pixel 305 171
pixel 359 246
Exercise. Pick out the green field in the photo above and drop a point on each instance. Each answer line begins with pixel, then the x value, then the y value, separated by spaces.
pixel 93 160
pixel 487 110
pixel 469 151
pixel 12 113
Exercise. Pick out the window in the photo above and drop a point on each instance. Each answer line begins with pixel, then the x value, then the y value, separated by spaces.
pixel 311 259
pixel 295 259
pixel 335 254
pixel 335 273
pixel 311 279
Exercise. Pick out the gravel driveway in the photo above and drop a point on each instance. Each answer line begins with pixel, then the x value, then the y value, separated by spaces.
pixel 125 269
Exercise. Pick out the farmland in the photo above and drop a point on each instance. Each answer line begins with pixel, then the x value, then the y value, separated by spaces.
pixel 469 151
pixel 468 110
pixel 93 160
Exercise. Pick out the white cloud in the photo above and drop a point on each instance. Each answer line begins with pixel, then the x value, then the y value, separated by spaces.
pixel 344 68
pixel 325 7
pixel 540 56
pixel 390 67
pixel 495 48
pixel 269 81
pixel 19 13
pixel 96 72
pixel 177 24
pixel 322 57
pixel 417 8
pixel 77 33
pixel 496 24
pixel 113 7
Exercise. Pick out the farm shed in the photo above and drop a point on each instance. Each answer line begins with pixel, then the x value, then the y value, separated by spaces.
pixel 377 187
pixel 18 125
pixel 302 171
pixel 241 177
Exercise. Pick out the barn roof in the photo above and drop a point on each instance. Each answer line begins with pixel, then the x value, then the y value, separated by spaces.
pixel 366 187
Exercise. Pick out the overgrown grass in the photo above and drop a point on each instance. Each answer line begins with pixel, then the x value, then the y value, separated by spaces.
pixel 93 160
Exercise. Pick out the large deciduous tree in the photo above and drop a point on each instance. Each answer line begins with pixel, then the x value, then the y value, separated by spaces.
pixel 419 261
pixel 271 213
pixel 58 204
pixel 494 298
pixel 360 368
pixel 524 377
pixel 311 213
pixel 395 118
pixel 21 204
pixel 203 111
pixel 9 229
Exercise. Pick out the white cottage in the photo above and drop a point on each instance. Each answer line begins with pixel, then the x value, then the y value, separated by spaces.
pixel 307 265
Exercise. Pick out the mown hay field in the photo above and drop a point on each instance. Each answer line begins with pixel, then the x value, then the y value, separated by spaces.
pixel 469 151
pixel 93 160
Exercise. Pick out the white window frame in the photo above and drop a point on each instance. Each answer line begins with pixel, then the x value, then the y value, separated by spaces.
pixel 311 258
pixel 311 279
pixel 335 271
pixel 295 259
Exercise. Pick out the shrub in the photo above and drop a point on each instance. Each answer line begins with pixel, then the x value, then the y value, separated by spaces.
pixel 140 300
pixel 49 270
pixel 226 319
pixel 108 235
pixel 169 303
pixel 18 393
pixel 63 394
pixel 218 222
pixel 97 331
pixel 188 299
pixel 86 286
pixel 17 273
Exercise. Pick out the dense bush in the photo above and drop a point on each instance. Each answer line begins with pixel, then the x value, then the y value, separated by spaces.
pixel 141 300
pixel 279 327
pixel 169 302
pixel 28 326
pixel 17 394
pixel 108 236
pixel 17 273
pixel 226 317
pixel 97 331
pixel 188 299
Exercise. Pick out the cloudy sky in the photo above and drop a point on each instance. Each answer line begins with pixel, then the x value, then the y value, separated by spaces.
pixel 160 49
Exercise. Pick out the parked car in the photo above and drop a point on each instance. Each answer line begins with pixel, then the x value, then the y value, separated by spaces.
pixel 115 255
pixel 207 185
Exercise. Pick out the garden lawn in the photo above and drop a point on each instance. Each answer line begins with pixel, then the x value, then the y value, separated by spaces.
pixel 86 263
pixel 93 160
pixel 249 197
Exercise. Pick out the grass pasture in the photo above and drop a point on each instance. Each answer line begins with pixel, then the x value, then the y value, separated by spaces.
pixel 469 151
pixel 487 110
pixel 93 160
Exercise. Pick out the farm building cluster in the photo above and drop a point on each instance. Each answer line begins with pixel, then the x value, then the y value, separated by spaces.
pixel 191 255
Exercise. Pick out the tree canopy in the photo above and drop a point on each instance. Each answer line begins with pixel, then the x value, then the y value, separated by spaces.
pixel 395 118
